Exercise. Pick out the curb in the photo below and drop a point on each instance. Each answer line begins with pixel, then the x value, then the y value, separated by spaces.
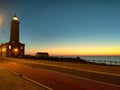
pixel 17 74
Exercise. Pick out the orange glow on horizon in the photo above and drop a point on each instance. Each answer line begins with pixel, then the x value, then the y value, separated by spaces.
pixel 81 51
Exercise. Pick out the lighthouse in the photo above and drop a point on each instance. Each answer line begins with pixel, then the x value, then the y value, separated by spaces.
pixel 14 32
pixel 14 48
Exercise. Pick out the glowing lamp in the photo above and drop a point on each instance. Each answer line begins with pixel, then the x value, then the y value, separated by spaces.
pixel 4 49
pixel 15 18
pixel 15 50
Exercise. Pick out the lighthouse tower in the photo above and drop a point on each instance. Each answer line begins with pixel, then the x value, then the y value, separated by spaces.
pixel 14 33
pixel 14 48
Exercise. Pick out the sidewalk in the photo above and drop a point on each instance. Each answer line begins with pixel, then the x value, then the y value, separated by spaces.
pixel 10 81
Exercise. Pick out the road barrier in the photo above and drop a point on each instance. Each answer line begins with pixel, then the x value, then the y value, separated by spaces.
pixel 105 62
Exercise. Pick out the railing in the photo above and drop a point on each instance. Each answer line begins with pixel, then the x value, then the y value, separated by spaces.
pixel 105 62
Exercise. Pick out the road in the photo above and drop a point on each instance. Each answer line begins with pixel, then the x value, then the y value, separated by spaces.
pixel 58 78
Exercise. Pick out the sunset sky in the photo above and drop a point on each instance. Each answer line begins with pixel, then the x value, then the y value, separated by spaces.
pixel 64 27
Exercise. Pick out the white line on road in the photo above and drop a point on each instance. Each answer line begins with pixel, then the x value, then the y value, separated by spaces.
pixel 112 74
pixel 83 78
pixel 77 76
pixel 15 73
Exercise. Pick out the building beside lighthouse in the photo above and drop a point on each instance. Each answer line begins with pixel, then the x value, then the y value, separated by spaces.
pixel 13 48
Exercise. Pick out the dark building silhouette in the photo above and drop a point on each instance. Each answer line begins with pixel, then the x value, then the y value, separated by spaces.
pixel 13 48
pixel 42 55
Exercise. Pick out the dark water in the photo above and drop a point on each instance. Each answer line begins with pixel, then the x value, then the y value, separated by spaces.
pixel 112 60
pixel 108 58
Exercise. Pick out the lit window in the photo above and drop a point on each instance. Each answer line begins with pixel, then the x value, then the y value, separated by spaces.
pixel 3 49
pixel 9 47
pixel 15 50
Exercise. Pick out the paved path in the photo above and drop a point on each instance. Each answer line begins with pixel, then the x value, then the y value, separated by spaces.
pixel 10 81
pixel 58 80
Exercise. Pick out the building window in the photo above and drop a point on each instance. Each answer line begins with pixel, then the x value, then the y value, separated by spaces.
pixel 3 49
pixel 9 47
pixel 21 47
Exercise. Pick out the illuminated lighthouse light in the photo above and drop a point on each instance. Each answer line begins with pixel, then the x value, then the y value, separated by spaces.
pixel 15 18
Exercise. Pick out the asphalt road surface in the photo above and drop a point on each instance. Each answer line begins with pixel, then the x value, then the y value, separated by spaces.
pixel 58 78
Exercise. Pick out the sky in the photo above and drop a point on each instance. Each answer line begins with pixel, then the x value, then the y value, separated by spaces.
pixel 64 27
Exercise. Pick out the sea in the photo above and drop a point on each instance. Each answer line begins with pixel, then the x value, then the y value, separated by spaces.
pixel 108 58
pixel 113 60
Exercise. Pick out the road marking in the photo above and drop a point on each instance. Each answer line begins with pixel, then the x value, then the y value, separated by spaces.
pixel 15 73
pixel 112 74
pixel 74 75
pixel 84 78
pixel 38 83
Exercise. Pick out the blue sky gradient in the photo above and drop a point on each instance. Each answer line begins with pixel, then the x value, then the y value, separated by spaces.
pixel 64 27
